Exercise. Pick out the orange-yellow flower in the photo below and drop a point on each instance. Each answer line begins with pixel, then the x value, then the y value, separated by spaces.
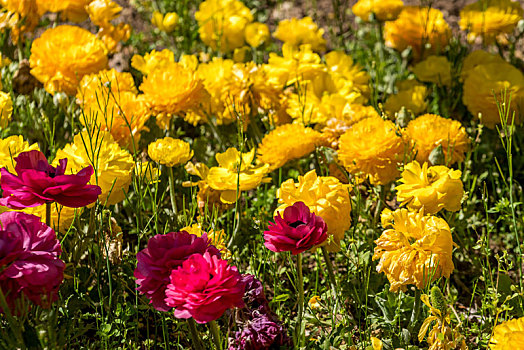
pixel 508 335
pixel 170 151
pixel 411 95
pixel 434 69
pixel 153 61
pixel 297 32
pixel 21 16
pixel 384 10
pixel 414 249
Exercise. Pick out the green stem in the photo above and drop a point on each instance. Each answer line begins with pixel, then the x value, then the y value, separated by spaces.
pixel 172 190
pixel 416 311
pixel 215 332
pixel 195 336
pixel 329 265
pixel 48 214
pixel 300 287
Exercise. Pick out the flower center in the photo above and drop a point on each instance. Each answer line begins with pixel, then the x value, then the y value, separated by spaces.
pixel 296 224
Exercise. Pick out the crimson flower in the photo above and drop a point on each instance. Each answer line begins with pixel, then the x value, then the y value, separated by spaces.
pixel 38 183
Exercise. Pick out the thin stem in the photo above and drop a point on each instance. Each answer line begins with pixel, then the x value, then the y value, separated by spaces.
pixel 300 287
pixel 215 332
pixel 48 214
pixel 172 190
pixel 195 336
pixel 329 268
pixel 416 311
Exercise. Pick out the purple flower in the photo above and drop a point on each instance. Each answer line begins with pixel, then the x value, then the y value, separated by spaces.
pixel 299 230
pixel 254 296
pixel 261 333
pixel 29 260
pixel 37 183
pixel 163 254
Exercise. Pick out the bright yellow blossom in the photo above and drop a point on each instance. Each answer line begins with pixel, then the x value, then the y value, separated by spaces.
pixel 508 335
pixel 384 10
pixel 6 109
pixel 477 58
pixel 297 32
pixel 102 12
pixel 166 23
pixel 153 61
pixel 169 151
pixel 411 95
pixel 10 148
pixel 257 34
pixel 218 238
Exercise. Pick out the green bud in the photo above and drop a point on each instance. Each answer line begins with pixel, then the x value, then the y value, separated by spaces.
pixel 437 156
pixel 438 301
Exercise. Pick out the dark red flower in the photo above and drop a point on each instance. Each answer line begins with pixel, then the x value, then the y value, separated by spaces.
pixel 163 254
pixel 37 183
pixel 297 231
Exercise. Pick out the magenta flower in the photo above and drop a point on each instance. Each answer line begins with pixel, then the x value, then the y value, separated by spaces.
pixel 299 230
pixel 204 287
pixel 29 260
pixel 163 254
pixel 39 183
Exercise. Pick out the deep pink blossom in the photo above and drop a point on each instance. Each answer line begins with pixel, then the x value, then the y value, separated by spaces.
pixel 297 231
pixel 163 254
pixel 204 287
pixel 37 183
pixel 29 259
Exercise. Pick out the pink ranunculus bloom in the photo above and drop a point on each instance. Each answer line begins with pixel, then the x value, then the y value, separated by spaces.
pixel 297 231
pixel 163 254
pixel 29 260
pixel 38 183
pixel 204 287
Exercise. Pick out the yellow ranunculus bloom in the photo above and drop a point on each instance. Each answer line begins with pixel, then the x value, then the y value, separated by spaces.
pixel 20 16
pixel 166 23
pixel 218 238
pixel 418 27
pixel 153 61
pixel 414 249
pixel 372 149
pixel 61 56
pixel 257 34
pixel 235 174
pixel 325 196
pixel 430 131
pixel 489 18
pixel 434 69
pixel 477 58
pixel 10 148
pixel 432 188
pixel 170 152
pixel 384 10
pixel 411 95
pixel 508 335
pixel 297 32
pixel 72 10
pixel 102 12
pixel 6 109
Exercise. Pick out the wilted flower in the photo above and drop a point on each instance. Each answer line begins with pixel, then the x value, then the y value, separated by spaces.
pixel 414 249
pixel 38 183
pixel 61 56
pixel 163 254
pixel 432 188
pixel 384 10
pixel 417 27
pixel 489 18
pixel 261 332
pixel 325 196
pixel 218 238
pixel 255 301
pixel 375 160
pixel 430 131
pixel 166 23
pixel 288 142
pixel 169 151
pixel 296 32
pixel 29 260
pixel 296 231
pixel 6 109
pixel 508 335
pixel 434 69
pixel 411 95
pixel 204 287
pixel 256 34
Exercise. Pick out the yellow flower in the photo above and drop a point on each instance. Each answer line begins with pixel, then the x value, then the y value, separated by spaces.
pixel 487 80
pixel 477 58
pixel 376 343
pixel 489 18
pixel 430 131
pixel 169 151
pixel 222 23
pixel 508 335
pixel 384 10
pixel 235 174
pixel 288 142
pixel 257 34
pixel 112 35
pixel 153 61
pixel 242 54
pixel 10 148
pixel 166 23
pixel 411 95
pixel 297 32
pixel 348 76
pixel 418 27
pixel 432 188
pixel 414 249
pixel 434 69
pixel 372 148
pixel 61 217
pixel 100 85
pixel 326 196
pixel 4 61
pixel 102 12
pixel 218 238
pixel 61 56
pixel 113 165
pixel 72 10
pixel 6 109
pixel 148 172
pixel 21 16
pixel 314 303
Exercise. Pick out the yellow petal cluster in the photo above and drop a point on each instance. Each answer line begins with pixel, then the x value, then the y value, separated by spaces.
pixel 166 23
pixel 153 61
pixel 222 23
pixel 429 131
pixel 6 109
pixel 326 196
pixel 434 69
pixel 113 166
pixel 372 149
pixel 486 81
pixel 61 57
pixel 477 58
pixel 148 172
pixel 218 238
pixel 508 335
pixel 169 151
pixel 235 174
pixel 71 10
pixel 411 95
pixel 418 27
pixel 288 142
pixel 432 188
pixel 384 10
pixel 102 12
pixel 10 148
pixel 489 18
pixel 414 249
pixel 21 16
pixel 296 32
pixel 257 34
